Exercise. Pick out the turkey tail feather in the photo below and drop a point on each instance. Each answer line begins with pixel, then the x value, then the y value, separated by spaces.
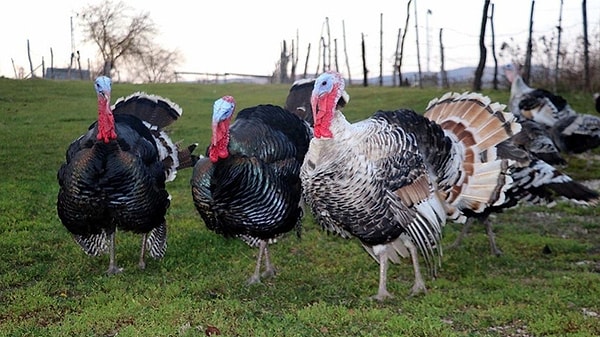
pixel 156 241
pixel 152 109
pixel 93 244
pixel 186 157
pixel 478 125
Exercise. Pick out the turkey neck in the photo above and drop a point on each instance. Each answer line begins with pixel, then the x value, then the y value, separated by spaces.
pixel 220 141
pixel 106 120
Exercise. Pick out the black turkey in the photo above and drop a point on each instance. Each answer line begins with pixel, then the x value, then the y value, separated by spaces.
pixel 571 132
pixel 298 99
pixel 114 175
pixel 394 179
pixel 248 186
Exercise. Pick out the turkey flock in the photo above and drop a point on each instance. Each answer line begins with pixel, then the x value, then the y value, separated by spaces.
pixel 392 181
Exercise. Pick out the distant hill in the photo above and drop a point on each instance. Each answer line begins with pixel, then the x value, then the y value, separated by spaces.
pixel 464 75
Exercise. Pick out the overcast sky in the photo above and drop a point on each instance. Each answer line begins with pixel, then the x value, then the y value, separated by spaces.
pixel 245 36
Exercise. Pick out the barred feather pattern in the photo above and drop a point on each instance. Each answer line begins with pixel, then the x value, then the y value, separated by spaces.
pixel 94 245
pixel 477 126
pixel 370 181
pixel 156 241
pixel 255 192
pixel 157 113
pixel 110 186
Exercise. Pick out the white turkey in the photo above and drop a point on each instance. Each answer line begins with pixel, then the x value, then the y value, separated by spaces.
pixel 572 132
pixel 248 186
pixel 114 175
pixel 298 99
pixel 394 179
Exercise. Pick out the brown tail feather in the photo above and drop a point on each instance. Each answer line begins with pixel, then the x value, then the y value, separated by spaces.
pixel 479 125
pixel 186 157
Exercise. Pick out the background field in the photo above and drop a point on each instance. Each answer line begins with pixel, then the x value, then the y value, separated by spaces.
pixel 49 287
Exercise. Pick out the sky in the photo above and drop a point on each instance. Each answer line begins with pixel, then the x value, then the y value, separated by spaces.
pixel 245 36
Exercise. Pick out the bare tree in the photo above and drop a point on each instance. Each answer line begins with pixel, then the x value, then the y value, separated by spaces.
pixel 586 53
pixel 495 84
pixel 156 64
pixel 418 53
pixel 559 29
pixel 121 36
pixel 527 70
pixel 482 49
pixel 346 52
pixel 445 83
pixel 380 49
pixel 402 43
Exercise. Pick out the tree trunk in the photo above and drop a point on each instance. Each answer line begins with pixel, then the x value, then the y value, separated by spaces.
pixel 306 61
pixel 559 28
pixel 364 59
pixel 380 49
pixel 586 49
pixel 29 56
pixel 335 55
pixel 482 49
pixel 445 83
pixel 394 80
pixel 527 70
pixel 495 84
pixel 346 52
pixel 418 53
pixel 402 43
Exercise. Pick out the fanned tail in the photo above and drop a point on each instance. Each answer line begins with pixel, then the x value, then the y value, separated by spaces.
pixel 476 126
pixel 153 109
pixel 157 113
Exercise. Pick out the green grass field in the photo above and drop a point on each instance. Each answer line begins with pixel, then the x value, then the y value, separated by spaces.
pixel 49 287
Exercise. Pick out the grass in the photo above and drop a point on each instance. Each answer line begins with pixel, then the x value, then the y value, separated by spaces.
pixel 49 287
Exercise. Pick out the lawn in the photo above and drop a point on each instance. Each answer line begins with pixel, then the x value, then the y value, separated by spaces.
pixel 547 283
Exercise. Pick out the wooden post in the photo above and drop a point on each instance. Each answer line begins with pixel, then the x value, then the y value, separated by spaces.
pixel 527 72
pixel 482 49
pixel 495 83
pixel 396 58
pixel 29 56
pixel 306 61
pixel 586 49
pixel 51 64
pixel 445 83
pixel 14 68
pixel 328 45
pixel 346 53
pixel 364 59
pixel 380 49
pixel 418 53
pixel 335 55
pixel 559 28
pixel 402 43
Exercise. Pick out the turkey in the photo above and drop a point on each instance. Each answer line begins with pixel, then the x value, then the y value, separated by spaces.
pixel 534 182
pixel 394 179
pixel 298 99
pixel 248 186
pixel 571 132
pixel 114 175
